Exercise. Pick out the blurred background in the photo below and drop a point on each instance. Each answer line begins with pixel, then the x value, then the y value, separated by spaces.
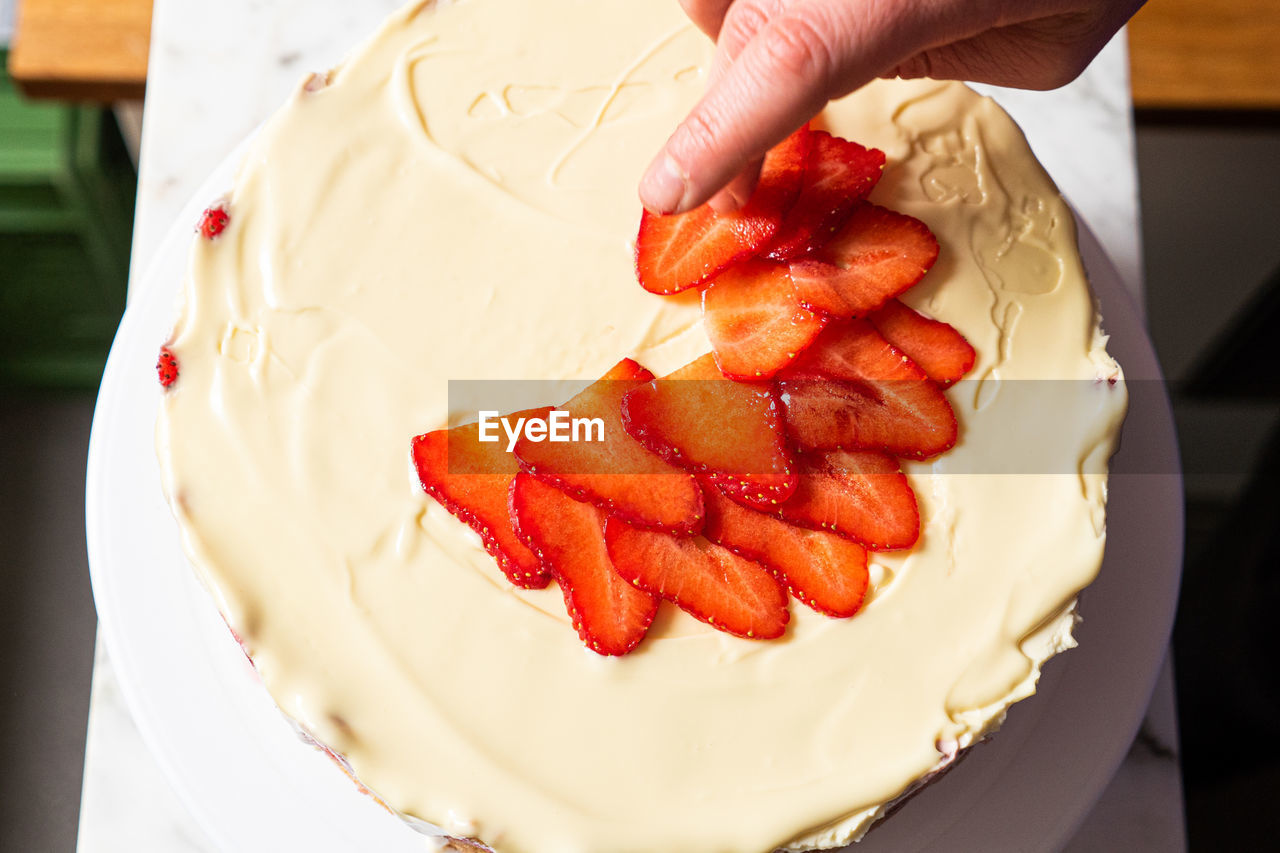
pixel 1206 85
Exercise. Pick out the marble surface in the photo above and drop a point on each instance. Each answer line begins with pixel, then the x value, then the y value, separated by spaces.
pixel 218 70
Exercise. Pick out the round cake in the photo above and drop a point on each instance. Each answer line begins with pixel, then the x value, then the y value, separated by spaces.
pixel 457 202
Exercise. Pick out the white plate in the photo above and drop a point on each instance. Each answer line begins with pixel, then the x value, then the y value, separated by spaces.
pixel 253 785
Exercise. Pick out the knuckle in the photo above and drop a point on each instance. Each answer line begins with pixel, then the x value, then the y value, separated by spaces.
pixel 743 21
pixel 798 48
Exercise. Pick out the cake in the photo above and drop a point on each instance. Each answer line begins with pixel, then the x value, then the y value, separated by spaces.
pixel 457 202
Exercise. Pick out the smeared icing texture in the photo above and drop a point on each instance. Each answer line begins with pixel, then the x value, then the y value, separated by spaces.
pixel 457 202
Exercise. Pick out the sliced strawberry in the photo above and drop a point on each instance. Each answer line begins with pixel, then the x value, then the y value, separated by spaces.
pixel 471 478
pixel 874 257
pixel 861 495
pixel 940 351
pixel 728 592
pixel 839 174
pixel 697 419
pixel 680 251
pixel 167 367
pixel 823 570
pixel 618 474
pixel 854 390
pixel 610 614
pixel 213 222
pixel 782 175
pixel 755 325
pixel 909 419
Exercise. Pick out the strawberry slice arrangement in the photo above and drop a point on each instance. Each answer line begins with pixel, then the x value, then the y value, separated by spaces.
pixel 766 469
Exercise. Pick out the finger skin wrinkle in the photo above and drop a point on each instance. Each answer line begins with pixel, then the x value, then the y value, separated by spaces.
pixel 873 36
pixel 744 20
pixel 1012 12
pixel 1025 56
pixel 795 48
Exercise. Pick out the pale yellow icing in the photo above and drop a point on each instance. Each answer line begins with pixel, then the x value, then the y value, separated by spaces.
pixel 459 203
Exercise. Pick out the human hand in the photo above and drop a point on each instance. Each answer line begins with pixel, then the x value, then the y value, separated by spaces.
pixel 778 62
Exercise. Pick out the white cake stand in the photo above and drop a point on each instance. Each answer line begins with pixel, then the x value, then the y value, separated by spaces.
pixel 253 785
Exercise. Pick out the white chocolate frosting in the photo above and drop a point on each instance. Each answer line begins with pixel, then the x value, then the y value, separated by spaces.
pixel 458 202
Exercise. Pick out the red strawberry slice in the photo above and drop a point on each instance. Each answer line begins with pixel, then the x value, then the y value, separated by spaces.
pixel 839 174
pixel 618 474
pixel 680 251
pixel 697 419
pixel 940 351
pixel 610 614
pixel 909 419
pixel 874 257
pixel 755 324
pixel 167 367
pixel 823 570
pixel 213 222
pixel 852 389
pixel 861 495
pixel 471 479
pixel 728 592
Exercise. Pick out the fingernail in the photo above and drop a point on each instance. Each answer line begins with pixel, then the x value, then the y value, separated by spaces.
pixel 663 186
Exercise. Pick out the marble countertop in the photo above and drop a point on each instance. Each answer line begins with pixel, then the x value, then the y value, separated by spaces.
pixel 218 70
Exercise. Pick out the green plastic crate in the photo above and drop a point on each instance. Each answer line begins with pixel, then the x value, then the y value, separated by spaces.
pixel 67 192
